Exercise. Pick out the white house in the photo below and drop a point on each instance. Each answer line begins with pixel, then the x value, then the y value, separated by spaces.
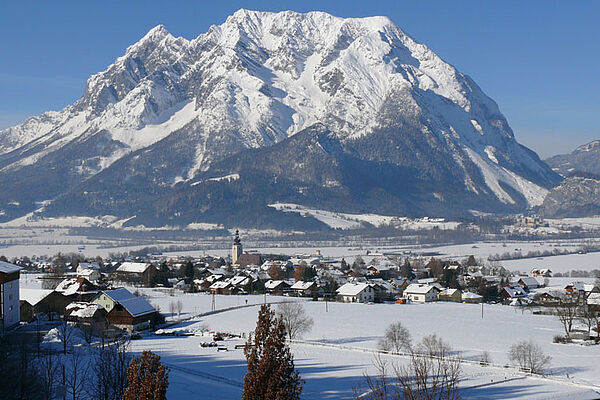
pixel 10 313
pixel 356 293
pixel 90 274
pixel 302 288
pixel 85 265
pixel 421 293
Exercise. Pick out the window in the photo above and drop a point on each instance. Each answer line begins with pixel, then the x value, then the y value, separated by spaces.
pixel 10 296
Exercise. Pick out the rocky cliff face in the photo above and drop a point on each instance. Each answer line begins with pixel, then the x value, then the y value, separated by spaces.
pixel 576 196
pixel 172 111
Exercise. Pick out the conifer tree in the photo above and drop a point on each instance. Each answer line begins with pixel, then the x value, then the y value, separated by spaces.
pixel 148 378
pixel 271 372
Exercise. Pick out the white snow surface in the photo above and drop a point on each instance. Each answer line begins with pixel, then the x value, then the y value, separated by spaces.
pixel 339 220
pixel 336 353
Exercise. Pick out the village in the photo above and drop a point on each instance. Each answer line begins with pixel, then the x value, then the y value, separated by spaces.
pixel 103 297
pixel 212 300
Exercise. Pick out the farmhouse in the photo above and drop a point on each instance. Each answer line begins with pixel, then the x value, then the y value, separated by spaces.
pixel 125 310
pixel 92 316
pixel 39 301
pixel 450 295
pixel 222 287
pixel 543 272
pixel 529 283
pixel 306 289
pixel 356 293
pixel 9 296
pixel 90 274
pixel 136 272
pixel 421 293
pixel 277 287
pixel 79 289
pixel 470 297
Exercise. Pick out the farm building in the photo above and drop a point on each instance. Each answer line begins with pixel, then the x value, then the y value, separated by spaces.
pixel 125 310
pixel 356 293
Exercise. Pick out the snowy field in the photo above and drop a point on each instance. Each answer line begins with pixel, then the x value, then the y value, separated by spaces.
pixel 337 351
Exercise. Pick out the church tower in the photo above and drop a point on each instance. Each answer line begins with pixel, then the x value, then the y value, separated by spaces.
pixel 236 250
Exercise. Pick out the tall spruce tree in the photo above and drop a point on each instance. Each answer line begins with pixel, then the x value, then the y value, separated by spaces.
pixel 148 378
pixel 271 372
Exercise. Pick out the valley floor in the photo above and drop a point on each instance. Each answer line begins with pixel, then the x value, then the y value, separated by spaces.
pixel 337 352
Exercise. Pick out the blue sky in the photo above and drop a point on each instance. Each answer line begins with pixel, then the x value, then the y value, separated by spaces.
pixel 538 59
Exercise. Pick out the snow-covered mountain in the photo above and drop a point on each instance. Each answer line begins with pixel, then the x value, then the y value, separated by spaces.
pixel 585 158
pixel 170 109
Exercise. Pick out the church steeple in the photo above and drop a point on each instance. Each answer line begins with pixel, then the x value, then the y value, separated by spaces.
pixel 236 249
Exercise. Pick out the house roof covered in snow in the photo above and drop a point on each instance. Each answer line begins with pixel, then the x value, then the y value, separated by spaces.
pixel 450 292
pixel 81 309
pixel 89 265
pixel 33 296
pixel 118 294
pixel 239 280
pixel 71 286
pixel 220 285
pixel 9 268
pixel 133 267
pixel 471 295
pixel 271 284
pixel 530 282
pixel 417 288
pixel 514 291
pixel 594 299
pixel 302 285
pixel 137 306
pixel 352 289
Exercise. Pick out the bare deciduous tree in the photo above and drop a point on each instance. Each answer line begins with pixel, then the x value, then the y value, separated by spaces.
pixel 78 371
pixel 433 346
pixel 590 318
pixel 179 307
pixel 110 371
pixel 529 356
pixel 295 319
pixel 48 365
pixel 172 308
pixel 566 311
pixel 396 339
pixel 432 373
pixel 65 333
pixel 486 358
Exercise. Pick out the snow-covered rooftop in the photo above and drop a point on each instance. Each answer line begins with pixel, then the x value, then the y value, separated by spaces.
pixel 301 285
pixel 33 296
pixel 8 268
pixel 133 267
pixel 137 306
pixel 419 288
pixel 82 309
pixel 352 289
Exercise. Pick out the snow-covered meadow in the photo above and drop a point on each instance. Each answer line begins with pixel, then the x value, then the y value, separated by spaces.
pixel 339 349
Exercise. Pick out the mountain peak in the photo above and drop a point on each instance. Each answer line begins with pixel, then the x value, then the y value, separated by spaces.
pixel 259 79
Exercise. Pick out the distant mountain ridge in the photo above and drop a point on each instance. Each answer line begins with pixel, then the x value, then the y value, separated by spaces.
pixel 585 158
pixel 351 114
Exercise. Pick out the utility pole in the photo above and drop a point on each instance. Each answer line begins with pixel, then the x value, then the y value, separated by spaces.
pixel 213 307
pixel 482 310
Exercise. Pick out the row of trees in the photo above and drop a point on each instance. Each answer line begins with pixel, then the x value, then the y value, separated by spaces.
pixel 78 373
pixel 433 370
